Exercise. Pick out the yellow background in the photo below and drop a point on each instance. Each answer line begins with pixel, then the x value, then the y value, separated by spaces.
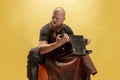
pixel 21 20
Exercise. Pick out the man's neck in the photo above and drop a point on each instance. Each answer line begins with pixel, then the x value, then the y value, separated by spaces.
pixel 56 28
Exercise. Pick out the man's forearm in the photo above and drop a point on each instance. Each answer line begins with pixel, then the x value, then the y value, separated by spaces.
pixel 45 48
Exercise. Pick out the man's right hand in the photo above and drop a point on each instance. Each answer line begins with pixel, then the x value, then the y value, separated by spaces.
pixel 62 40
pixel 46 48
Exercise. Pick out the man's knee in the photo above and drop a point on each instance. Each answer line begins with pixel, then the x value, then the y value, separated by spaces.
pixel 34 57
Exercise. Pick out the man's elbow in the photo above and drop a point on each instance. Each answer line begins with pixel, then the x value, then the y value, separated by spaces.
pixel 42 51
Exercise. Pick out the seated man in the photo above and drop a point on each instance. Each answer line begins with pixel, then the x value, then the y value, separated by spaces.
pixel 51 51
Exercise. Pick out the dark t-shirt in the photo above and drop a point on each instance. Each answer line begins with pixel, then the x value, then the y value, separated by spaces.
pixel 46 34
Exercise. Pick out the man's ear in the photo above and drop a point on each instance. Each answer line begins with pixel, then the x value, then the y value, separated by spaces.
pixel 64 18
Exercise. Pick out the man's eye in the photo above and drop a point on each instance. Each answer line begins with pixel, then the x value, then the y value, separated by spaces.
pixel 53 17
pixel 57 18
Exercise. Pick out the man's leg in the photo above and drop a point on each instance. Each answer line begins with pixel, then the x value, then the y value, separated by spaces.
pixel 32 73
pixel 34 59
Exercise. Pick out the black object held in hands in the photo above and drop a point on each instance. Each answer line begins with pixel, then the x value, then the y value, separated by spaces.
pixel 76 46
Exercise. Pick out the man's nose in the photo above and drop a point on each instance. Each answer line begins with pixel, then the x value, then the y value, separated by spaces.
pixel 54 19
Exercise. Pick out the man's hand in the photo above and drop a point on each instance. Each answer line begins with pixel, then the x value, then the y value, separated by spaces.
pixel 88 40
pixel 62 40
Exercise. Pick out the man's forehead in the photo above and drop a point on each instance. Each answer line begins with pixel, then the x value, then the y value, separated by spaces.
pixel 59 11
pixel 58 14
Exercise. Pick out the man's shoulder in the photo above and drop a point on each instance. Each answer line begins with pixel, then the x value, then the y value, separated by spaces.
pixel 68 29
pixel 65 25
pixel 45 27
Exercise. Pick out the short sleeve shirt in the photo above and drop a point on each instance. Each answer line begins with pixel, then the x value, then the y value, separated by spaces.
pixel 46 31
pixel 46 35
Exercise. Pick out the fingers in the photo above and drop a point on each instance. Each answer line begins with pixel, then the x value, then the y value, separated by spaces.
pixel 63 39
pixel 66 37
pixel 58 37
pixel 88 40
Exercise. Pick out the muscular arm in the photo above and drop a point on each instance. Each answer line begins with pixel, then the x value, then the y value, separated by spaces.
pixel 45 47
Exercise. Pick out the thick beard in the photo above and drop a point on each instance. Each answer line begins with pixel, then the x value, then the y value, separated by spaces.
pixel 54 27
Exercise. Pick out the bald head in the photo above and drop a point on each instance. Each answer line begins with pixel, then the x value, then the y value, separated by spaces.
pixel 58 18
pixel 59 10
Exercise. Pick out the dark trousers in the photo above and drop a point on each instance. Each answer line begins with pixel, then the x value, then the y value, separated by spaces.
pixel 34 58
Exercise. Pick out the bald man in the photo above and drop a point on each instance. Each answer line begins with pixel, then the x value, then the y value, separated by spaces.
pixel 51 52
pixel 45 44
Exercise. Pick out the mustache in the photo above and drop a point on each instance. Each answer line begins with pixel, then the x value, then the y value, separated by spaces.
pixel 54 26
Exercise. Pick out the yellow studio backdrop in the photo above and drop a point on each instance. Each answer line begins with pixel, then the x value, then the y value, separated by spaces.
pixel 21 20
